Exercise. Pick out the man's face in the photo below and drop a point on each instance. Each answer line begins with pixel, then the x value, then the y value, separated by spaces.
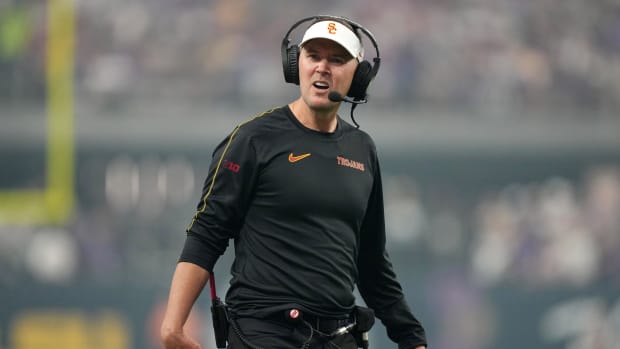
pixel 324 66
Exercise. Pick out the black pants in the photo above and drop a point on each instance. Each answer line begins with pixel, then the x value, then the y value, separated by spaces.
pixel 269 334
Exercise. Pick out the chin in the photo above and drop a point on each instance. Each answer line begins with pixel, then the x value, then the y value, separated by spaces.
pixel 321 104
pixel 324 108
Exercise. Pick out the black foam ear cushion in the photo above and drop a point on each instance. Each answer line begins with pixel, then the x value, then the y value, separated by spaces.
pixel 361 80
pixel 291 69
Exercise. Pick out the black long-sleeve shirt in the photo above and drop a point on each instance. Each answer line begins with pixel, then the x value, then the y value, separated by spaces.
pixel 305 210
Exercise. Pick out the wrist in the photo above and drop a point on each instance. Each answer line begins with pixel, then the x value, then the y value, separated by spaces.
pixel 168 331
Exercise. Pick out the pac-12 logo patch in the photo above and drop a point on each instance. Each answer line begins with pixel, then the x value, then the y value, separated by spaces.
pixel 231 166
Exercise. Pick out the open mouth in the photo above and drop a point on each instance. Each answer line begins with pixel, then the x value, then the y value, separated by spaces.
pixel 321 85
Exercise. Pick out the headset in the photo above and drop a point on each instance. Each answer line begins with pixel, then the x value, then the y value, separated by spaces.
pixel 364 73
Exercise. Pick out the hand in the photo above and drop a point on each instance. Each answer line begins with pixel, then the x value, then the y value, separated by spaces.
pixel 178 340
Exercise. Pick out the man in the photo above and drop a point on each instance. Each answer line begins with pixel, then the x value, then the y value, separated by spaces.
pixel 299 191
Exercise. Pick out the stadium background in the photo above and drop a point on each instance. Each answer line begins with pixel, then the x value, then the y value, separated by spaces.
pixel 497 123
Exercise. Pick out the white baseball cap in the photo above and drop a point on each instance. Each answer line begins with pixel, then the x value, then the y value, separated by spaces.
pixel 338 33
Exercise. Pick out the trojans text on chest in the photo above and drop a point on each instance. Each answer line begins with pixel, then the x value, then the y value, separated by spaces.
pixel 350 163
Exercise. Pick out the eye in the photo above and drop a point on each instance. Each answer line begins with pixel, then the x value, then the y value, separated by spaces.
pixel 313 56
pixel 337 60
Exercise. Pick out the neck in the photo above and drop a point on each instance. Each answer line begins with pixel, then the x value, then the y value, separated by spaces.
pixel 323 120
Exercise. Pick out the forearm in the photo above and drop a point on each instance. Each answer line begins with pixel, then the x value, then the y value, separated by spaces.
pixel 187 283
pixel 381 291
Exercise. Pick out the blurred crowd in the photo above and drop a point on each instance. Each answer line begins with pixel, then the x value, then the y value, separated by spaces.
pixel 548 248
pixel 556 232
pixel 477 56
pixel 551 233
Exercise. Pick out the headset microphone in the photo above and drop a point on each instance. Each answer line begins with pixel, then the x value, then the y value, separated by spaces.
pixel 337 97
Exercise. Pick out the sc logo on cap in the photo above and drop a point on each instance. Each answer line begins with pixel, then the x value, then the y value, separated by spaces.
pixel 331 28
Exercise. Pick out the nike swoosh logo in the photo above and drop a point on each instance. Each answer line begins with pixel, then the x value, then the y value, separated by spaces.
pixel 295 158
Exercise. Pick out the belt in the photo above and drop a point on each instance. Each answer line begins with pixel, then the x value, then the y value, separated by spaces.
pixel 322 324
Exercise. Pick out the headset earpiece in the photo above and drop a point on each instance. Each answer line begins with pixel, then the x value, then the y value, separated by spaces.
pixel 361 80
pixel 291 67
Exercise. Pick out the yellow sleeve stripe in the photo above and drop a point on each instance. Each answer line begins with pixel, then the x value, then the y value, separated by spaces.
pixel 219 163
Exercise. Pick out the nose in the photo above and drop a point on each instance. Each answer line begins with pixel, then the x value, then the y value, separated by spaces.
pixel 322 66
